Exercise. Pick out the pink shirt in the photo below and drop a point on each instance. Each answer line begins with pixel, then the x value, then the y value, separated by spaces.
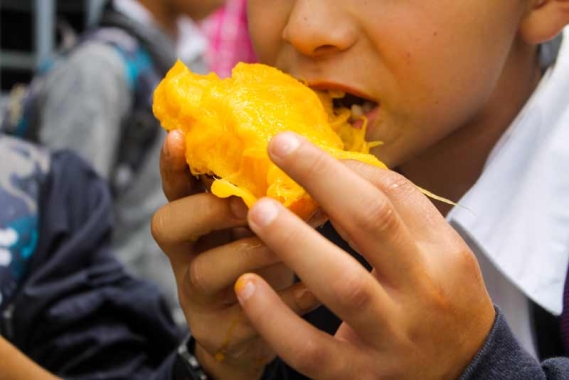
pixel 229 38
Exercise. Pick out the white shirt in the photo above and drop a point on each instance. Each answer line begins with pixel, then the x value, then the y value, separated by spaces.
pixel 516 216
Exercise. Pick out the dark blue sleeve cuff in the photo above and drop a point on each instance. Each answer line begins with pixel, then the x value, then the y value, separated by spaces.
pixel 503 358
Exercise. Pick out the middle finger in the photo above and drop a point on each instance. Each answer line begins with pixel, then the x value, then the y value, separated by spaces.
pixel 216 269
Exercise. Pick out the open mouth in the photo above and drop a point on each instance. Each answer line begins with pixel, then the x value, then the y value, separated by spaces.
pixel 359 107
pixel 349 114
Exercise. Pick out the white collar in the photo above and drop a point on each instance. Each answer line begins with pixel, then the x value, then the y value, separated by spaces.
pixel 191 42
pixel 518 211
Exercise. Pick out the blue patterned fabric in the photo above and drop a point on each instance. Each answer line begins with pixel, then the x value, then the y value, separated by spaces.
pixel 67 302
pixel 23 168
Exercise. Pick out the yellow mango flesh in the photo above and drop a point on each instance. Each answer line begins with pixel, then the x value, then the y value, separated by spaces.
pixel 228 123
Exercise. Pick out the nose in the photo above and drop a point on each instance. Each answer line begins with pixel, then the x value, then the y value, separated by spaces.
pixel 317 28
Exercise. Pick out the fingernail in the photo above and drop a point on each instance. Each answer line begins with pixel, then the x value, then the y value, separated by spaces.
pixel 177 135
pixel 238 208
pixel 244 289
pixel 285 144
pixel 174 137
pixel 264 212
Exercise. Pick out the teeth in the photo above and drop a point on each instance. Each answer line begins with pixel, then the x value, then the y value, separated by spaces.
pixel 357 112
pixel 336 94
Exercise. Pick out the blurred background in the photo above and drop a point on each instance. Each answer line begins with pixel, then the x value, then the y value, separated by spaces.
pixel 31 29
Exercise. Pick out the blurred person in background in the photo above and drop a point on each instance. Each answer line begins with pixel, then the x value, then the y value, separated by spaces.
pixel 96 99
pixel 229 40
pixel 67 305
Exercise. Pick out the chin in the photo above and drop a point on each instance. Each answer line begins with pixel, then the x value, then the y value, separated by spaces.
pixel 391 156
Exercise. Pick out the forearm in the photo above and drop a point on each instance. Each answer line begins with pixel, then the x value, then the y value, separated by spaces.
pixel 15 365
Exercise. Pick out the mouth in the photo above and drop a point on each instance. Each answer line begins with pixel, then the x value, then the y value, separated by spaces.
pixel 350 113
pixel 360 107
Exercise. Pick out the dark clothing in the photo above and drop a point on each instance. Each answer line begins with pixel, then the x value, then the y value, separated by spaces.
pixel 77 312
pixel 503 358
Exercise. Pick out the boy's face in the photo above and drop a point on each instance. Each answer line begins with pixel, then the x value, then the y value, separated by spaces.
pixel 429 66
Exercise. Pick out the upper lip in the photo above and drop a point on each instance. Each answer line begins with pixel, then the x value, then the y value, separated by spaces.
pixel 328 86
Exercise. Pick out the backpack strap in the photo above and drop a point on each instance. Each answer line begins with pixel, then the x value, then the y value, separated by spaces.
pixel 148 55
pixel 140 129
pixel 156 43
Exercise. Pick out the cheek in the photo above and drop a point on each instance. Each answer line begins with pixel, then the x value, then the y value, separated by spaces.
pixel 441 76
pixel 267 20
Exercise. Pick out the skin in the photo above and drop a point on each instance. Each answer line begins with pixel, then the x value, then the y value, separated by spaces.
pixel 446 92
pixel 437 83
pixel 166 12
pixel 17 366
pixel 208 253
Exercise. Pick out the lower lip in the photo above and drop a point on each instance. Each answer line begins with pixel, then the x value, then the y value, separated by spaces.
pixel 370 116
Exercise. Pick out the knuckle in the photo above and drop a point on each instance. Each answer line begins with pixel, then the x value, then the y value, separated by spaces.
pixel 354 293
pixel 399 186
pixel 378 215
pixel 253 253
pixel 197 276
pixel 468 267
pixel 309 357
pixel 468 261
pixel 185 291
pixel 303 300
pixel 157 227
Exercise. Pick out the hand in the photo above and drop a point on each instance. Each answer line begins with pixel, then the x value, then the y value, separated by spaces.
pixel 422 313
pixel 209 247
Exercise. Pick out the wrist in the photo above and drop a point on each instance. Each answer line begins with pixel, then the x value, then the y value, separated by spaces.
pixel 187 366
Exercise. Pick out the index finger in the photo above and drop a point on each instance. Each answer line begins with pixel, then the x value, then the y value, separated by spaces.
pixel 368 219
pixel 177 181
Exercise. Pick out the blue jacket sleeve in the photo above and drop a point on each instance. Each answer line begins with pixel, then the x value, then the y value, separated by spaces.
pixel 501 357
pixel 79 313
